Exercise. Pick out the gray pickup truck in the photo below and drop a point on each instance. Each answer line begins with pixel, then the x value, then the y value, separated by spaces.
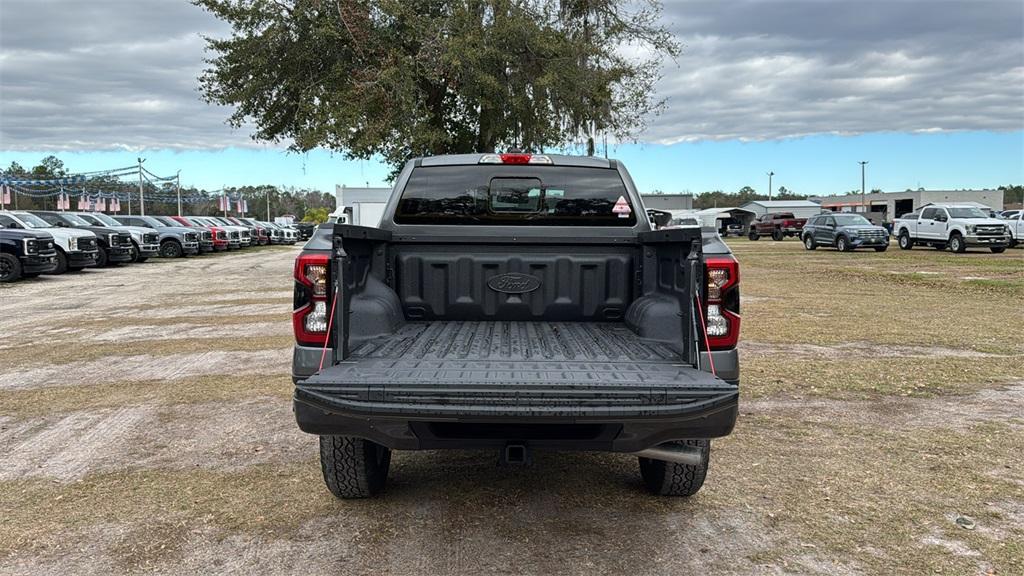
pixel 515 302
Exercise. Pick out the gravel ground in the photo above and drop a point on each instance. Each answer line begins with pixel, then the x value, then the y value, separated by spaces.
pixel 181 455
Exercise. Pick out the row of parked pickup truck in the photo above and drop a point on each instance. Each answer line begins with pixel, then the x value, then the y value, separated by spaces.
pixel 42 242
pixel 940 226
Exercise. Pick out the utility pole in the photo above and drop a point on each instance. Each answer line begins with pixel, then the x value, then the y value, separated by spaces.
pixel 770 174
pixel 268 203
pixel 177 185
pixel 142 195
pixel 227 199
pixel 863 193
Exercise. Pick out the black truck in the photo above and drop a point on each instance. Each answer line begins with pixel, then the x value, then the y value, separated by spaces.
pixel 517 302
pixel 25 254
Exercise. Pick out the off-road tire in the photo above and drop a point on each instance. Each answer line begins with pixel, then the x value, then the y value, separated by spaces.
pixel 10 268
pixel 843 244
pixel 672 479
pixel 904 241
pixel 62 263
pixel 777 235
pixel 809 242
pixel 753 235
pixel 998 249
pixel 957 244
pixel 102 259
pixel 353 467
pixel 171 249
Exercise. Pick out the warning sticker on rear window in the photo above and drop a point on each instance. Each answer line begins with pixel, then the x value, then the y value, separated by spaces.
pixel 622 208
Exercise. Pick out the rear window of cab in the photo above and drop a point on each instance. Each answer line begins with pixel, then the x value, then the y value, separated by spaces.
pixel 513 195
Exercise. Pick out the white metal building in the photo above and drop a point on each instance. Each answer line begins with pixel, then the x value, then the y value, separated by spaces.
pixel 799 208
pixel 668 201
pixel 886 206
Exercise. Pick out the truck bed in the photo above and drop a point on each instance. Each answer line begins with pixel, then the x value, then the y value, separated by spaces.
pixel 498 368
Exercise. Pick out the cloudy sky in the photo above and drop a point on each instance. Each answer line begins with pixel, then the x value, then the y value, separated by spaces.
pixel 930 92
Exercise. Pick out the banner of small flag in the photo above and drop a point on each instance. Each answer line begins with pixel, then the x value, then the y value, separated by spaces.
pixel 5 194
pixel 49 181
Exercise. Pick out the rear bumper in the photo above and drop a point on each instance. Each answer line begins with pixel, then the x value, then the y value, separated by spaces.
pixel 568 429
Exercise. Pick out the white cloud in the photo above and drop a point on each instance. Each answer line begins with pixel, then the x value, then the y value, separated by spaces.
pixel 122 73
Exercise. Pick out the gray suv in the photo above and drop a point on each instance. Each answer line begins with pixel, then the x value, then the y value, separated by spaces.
pixel 175 241
pixel 846 232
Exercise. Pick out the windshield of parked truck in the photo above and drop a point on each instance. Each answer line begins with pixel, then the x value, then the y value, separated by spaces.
pixel 152 222
pixel 32 221
pixel 851 220
pixel 967 212
pixel 90 220
pixel 106 220
pixel 515 195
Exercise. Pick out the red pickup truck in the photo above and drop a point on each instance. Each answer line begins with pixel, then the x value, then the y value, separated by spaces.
pixel 778 225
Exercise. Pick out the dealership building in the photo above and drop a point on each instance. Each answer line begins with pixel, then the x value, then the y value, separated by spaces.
pixel 885 206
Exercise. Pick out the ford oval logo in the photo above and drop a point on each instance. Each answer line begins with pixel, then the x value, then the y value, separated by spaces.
pixel 513 283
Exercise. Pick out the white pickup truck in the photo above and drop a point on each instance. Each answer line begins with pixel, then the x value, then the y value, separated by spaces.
pixel 1015 220
pixel 951 225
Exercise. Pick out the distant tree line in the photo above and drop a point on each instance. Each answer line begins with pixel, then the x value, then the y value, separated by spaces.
pixel 720 198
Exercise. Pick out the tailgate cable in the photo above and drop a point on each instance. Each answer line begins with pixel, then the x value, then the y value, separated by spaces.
pixel 703 329
pixel 330 324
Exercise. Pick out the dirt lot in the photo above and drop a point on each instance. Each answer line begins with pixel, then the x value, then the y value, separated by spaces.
pixel 145 426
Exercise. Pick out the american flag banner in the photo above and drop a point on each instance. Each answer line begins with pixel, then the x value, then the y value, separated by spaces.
pixel 225 203
pixel 115 205
pixel 81 202
pixel 101 204
pixel 6 193
pixel 240 210
pixel 245 206
pixel 63 202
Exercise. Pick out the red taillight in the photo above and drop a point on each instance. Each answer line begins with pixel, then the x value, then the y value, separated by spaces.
pixel 309 319
pixel 722 295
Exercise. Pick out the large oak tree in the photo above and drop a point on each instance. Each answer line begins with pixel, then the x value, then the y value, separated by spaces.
pixel 400 78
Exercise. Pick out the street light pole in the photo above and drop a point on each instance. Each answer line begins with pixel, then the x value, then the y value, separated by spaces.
pixel 770 174
pixel 177 185
pixel 268 203
pixel 142 195
pixel 863 194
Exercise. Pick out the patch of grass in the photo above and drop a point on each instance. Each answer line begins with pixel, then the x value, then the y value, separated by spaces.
pixel 106 323
pixel 64 399
pixel 830 297
pixel 285 302
pixel 47 353
pixel 870 496
pixel 865 377
pixel 261 499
